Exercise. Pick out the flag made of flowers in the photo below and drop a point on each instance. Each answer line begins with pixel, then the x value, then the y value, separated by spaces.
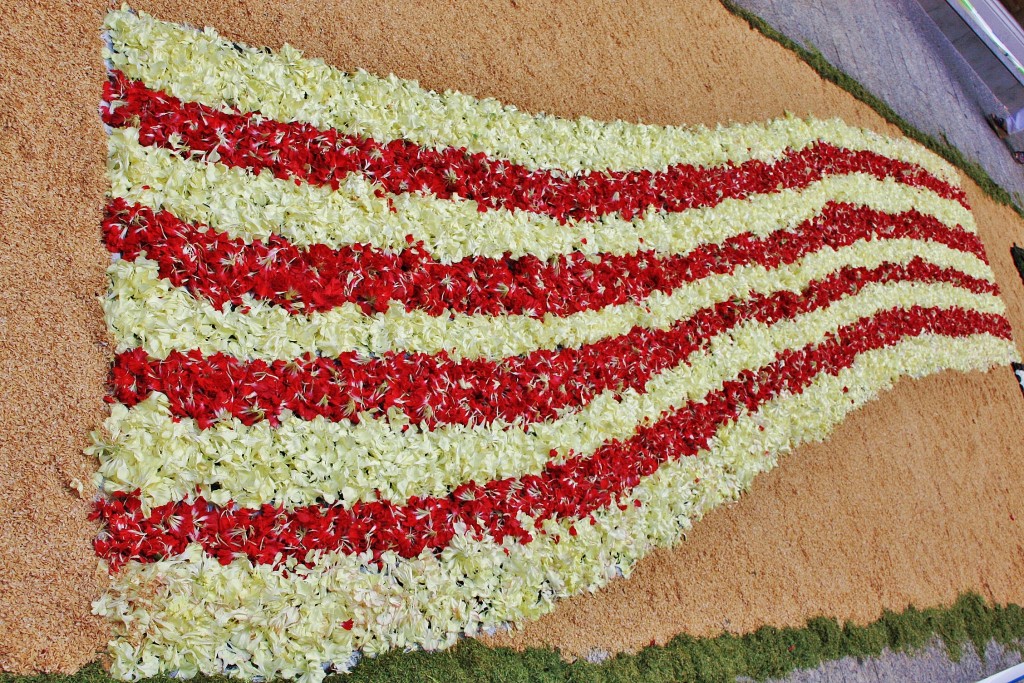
pixel 395 366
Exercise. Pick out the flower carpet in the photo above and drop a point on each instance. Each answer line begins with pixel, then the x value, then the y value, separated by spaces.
pixel 395 366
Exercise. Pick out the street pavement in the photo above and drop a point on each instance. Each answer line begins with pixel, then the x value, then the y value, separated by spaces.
pixel 898 53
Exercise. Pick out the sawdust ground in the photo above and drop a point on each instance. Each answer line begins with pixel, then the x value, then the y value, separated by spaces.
pixel 913 500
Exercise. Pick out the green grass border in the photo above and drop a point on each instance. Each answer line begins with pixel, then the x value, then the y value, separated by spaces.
pixel 829 72
pixel 766 653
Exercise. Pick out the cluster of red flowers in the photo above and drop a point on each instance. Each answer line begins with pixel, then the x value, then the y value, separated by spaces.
pixel 318 278
pixel 301 151
pixel 433 389
pixel 571 490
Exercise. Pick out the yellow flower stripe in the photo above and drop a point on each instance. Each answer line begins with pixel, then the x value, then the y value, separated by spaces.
pixel 144 310
pixel 191 614
pixel 202 67
pixel 302 461
pixel 253 206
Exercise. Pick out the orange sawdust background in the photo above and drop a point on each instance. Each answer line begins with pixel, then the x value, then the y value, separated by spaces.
pixel 914 500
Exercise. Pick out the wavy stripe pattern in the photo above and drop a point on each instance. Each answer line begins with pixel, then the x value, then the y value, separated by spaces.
pixel 434 390
pixel 384 457
pixel 395 365
pixel 146 311
pixel 564 490
pixel 297 151
pixel 248 206
pixel 203 67
pixel 223 269
pixel 189 612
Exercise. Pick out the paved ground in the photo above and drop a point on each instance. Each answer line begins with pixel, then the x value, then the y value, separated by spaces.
pixel 932 665
pixel 993 72
pixel 895 49
pixel 898 52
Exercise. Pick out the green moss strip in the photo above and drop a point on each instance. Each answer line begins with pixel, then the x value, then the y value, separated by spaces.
pixel 832 74
pixel 766 653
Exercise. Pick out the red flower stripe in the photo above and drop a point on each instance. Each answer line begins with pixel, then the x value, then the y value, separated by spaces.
pixel 434 389
pixel 303 152
pixel 318 278
pixel 571 490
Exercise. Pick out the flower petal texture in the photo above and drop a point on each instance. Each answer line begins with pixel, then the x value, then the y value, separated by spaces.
pixel 396 366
